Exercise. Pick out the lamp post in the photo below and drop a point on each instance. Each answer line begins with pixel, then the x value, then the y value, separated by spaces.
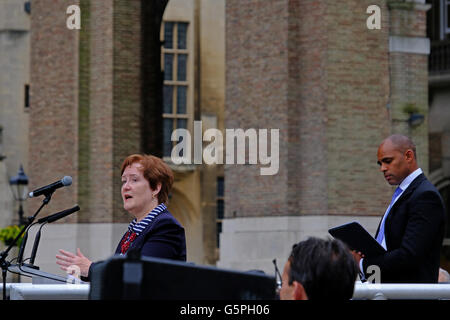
pixel 415 119
pixel 19 188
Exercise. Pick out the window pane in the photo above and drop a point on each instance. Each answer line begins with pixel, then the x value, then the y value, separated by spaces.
pixel 182 35
pixel 27 96
pixel 168 66
pixel 182 124
pixel 168 35
pixel 168 99
pixel 181 99
pixel 167 133
pixel 220 187
pixel 448 15
pixel 220 209
pixel 182 62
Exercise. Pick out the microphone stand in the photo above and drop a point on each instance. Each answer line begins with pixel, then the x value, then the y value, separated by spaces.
pixel 278 282
pixel 35 247
pixel 23 244
pixel 22 247
pixel 3 255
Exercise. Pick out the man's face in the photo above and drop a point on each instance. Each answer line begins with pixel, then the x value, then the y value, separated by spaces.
pixel 287 291
pixel 394 164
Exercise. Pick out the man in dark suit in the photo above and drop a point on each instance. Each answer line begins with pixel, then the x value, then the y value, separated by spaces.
pixel 412 228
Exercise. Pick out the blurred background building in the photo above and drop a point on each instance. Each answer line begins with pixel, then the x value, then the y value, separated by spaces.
pixel 77 102
pixel 438 31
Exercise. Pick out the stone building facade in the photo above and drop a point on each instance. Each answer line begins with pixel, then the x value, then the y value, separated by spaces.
pixel 136 70
pixel 438 32
pixel 14 110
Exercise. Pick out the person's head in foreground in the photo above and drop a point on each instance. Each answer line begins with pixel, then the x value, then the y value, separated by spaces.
pixel 444 277
pixel 319 269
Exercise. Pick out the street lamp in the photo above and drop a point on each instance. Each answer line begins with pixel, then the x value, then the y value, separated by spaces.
pixel 19 188
pixel 415 119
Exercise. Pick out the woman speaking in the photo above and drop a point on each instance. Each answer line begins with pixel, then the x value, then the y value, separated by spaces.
pixel 146 182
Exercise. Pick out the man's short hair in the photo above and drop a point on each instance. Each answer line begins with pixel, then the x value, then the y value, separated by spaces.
pixel 403 143
pixel 325 268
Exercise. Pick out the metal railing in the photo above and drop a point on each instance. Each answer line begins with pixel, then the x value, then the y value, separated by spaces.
pixel 363 291
pixel 387 291
pixel 29 291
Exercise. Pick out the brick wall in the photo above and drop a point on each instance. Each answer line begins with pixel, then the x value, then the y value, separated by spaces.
pixel 409 76
pixel 84 190
pixel 101 105
pixel 313 70
pixel 126 92
pixel 114 104
pixel 256 97
pixel 404 19
pixel 53 123
pixel 357 118
pixel 106 56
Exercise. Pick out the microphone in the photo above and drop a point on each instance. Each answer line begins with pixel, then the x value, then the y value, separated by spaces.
pixel 58 215
pixel 48 189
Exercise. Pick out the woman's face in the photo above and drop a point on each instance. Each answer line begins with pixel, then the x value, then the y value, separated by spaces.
pixel 137 195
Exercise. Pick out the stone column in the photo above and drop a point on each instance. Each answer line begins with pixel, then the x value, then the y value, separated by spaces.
pixel 408 59
pixel 85 118
pixel 14 75
pixel 53 133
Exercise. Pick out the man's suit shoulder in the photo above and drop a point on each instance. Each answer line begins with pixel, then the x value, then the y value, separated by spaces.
pixel 425 186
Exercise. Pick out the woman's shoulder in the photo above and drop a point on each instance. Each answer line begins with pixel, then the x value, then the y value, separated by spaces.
pixel 166 217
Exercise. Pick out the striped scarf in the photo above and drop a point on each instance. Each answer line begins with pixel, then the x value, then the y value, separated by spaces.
pixel 139 227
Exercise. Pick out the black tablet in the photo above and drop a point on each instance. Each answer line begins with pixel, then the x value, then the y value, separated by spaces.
pixel 357 238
